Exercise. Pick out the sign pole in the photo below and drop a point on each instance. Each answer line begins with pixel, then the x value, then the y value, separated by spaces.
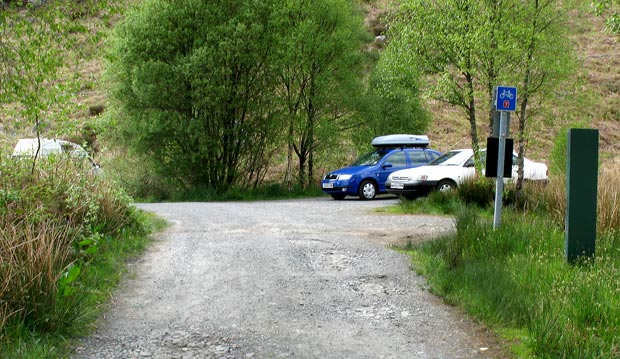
pixel 499 181
pixel 505 102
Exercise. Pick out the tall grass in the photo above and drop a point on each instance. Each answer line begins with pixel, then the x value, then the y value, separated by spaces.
pixel 56 227
pixel 33 257
pixel 517 276
pixel 553 198
pixel 538 197
pixel 609 198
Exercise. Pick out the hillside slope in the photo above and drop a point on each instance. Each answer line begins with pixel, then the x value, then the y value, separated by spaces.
pixel 598 105
pixel 595 105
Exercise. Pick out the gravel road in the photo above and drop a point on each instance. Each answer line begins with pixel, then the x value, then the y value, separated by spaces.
pixel 309 278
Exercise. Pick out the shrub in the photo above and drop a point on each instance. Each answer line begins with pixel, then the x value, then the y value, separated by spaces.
pixel 478 190
pixel 135 174
pixel 53 223
pixel 434 203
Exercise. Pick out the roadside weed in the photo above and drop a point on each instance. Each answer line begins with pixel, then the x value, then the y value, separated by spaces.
pixel 64 237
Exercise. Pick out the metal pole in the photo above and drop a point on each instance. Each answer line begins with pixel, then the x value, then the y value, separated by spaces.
pixel 499 181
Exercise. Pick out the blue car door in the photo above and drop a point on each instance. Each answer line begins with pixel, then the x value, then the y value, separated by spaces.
pixel 393 162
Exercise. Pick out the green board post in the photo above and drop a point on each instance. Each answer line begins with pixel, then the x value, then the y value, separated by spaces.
pixel 581 191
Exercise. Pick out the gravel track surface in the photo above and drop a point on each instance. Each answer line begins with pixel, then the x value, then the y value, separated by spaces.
pixel 283 279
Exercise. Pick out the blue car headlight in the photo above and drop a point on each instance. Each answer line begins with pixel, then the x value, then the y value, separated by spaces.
pixel 344 177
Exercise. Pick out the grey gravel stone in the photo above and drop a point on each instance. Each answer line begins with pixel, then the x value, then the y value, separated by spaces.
pixel 297 279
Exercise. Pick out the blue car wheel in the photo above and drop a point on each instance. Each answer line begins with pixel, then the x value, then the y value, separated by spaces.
pixel 367 190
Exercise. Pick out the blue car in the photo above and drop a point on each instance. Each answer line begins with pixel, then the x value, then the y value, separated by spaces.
pixel 367 175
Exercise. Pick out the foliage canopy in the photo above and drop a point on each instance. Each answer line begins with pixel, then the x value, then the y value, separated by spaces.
pixel 210 90
pixel 610 10
pixel 392 103
pixel 470 47
pixel 192 82
pixel 318 63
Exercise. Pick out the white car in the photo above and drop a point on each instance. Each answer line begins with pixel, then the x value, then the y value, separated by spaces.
pixel 451 169
pixel 28 147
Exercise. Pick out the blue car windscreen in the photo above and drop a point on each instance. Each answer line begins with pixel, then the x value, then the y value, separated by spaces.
pixel 370 158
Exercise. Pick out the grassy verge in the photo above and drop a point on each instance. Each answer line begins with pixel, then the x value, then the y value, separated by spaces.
pixel 516 278
pixel 64 239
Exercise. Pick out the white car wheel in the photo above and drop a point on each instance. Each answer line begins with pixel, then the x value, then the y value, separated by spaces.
pixel 446 186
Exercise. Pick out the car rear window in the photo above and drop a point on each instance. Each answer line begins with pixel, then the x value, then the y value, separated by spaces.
pixel 418 157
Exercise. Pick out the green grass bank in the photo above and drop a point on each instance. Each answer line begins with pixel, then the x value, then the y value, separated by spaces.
pixel 516 278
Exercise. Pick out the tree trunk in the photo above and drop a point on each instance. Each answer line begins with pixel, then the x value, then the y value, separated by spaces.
pixel 471 115
pixel 302 168
pixel 288 177
pixel 311 113
pixel 521 134
pixel 36 154
pixel 311 116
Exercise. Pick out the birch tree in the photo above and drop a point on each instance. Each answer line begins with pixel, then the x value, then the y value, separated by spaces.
pixel 318 65
pixel 471 46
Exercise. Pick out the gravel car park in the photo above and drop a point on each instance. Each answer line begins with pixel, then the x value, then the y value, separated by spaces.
pixel 291 279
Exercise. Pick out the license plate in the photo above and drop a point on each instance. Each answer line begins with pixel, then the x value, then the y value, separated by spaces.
pixel 328 185
pixel 397 186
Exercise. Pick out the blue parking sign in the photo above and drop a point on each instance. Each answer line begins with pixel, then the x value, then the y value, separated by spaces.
pixel 506 98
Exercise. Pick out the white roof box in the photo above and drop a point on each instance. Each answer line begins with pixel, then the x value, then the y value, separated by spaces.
pixel 401 141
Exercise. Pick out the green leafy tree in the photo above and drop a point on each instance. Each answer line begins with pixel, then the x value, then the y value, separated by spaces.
pixel 392 103
pixel 33 41
pixel 610 11
pixel 444 39
pixel 472 46
pixel 318 64
pixel 544 58
pixel 193 84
